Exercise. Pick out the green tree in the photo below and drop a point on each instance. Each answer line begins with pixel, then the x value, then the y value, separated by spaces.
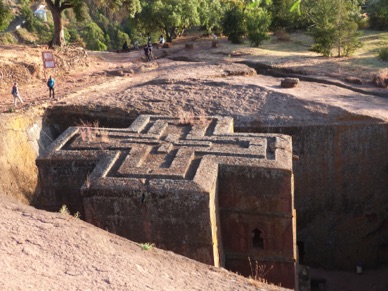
pixel 5 16
pixel 249 18
pixel 57 7
pixel 170 17
pixel 334 26
pixel 378 14
pixel 283 19
pixel 258 22
pixel 211 13
pixel 233 25
pixel 94 37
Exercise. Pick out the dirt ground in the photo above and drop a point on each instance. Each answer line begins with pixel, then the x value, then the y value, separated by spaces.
pixel 200 81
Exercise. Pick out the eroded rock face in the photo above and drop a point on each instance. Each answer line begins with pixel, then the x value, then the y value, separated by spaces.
pixel 189 185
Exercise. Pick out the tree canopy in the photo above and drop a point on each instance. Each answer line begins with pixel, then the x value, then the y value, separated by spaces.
pixel 57 7
pixel 5 16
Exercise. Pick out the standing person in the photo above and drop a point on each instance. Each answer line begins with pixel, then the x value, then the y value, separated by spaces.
pixel 150 55
pixel 50 85
pixel 125 47
pixel 146 52
pixel 149 39
pixel 16 95
pixel 161 39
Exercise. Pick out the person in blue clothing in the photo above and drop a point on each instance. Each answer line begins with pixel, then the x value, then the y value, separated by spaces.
pixel 50 85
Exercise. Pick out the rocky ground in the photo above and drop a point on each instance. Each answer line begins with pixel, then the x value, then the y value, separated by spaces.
pixel 52 251
pixel 181 81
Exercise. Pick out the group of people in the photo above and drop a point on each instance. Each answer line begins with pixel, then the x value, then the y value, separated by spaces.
pixel 16 94
pixel 148 47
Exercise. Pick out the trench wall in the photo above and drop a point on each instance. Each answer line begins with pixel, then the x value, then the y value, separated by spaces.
pixel 341 184
pixel 341 193
pixel 22 139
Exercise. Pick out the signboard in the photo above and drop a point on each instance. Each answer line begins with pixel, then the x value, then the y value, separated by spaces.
pixel 48 60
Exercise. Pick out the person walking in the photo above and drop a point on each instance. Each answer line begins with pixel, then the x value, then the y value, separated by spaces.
pixel 16 95
pixel 50 85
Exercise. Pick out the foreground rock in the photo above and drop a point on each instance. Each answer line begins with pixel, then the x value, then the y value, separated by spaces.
pixel 52 251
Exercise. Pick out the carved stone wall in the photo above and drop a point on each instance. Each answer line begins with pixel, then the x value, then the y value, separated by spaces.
pixel 190 186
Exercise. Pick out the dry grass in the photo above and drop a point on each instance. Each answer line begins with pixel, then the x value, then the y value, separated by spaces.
pixel 282 35
pixel 295 54
pixel 191 119
pixel 258 272
pixel 90 131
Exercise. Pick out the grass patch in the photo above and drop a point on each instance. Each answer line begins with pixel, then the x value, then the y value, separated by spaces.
pixel 65 210
pixel 146 246
pixel 383 54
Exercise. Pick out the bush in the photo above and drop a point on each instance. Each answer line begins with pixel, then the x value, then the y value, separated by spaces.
pixel 258 22
pixel 324 39
pixel 44 31
pixel 25 36
pixel 378 14
pixel 5 16
pixel 348 38
pixel 383 54
pixel 233 25
pixel 283 19
pixel 94 37
pixel 334 26
pixel 7 38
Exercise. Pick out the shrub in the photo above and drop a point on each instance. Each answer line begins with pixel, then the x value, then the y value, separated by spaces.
pixel 146 246
pixel 378 14
pixel 233 25
pixel 334 26
pixel 66 211
pixel 258 22
pixel 29 19
pixel 283 19
pixel 348 40
pixel 383 54
pixel 259 272
pixel 25 36
pixel 5 16
pixel 94 37
pixel 324 39
pixel 7 38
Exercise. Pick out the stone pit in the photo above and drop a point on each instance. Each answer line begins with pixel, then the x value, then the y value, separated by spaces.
pixel 190 186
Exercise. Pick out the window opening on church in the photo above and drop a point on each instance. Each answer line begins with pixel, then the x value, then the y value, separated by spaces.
pixel 257 240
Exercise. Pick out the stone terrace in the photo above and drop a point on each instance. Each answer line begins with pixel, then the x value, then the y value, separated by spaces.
pixel 191 186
